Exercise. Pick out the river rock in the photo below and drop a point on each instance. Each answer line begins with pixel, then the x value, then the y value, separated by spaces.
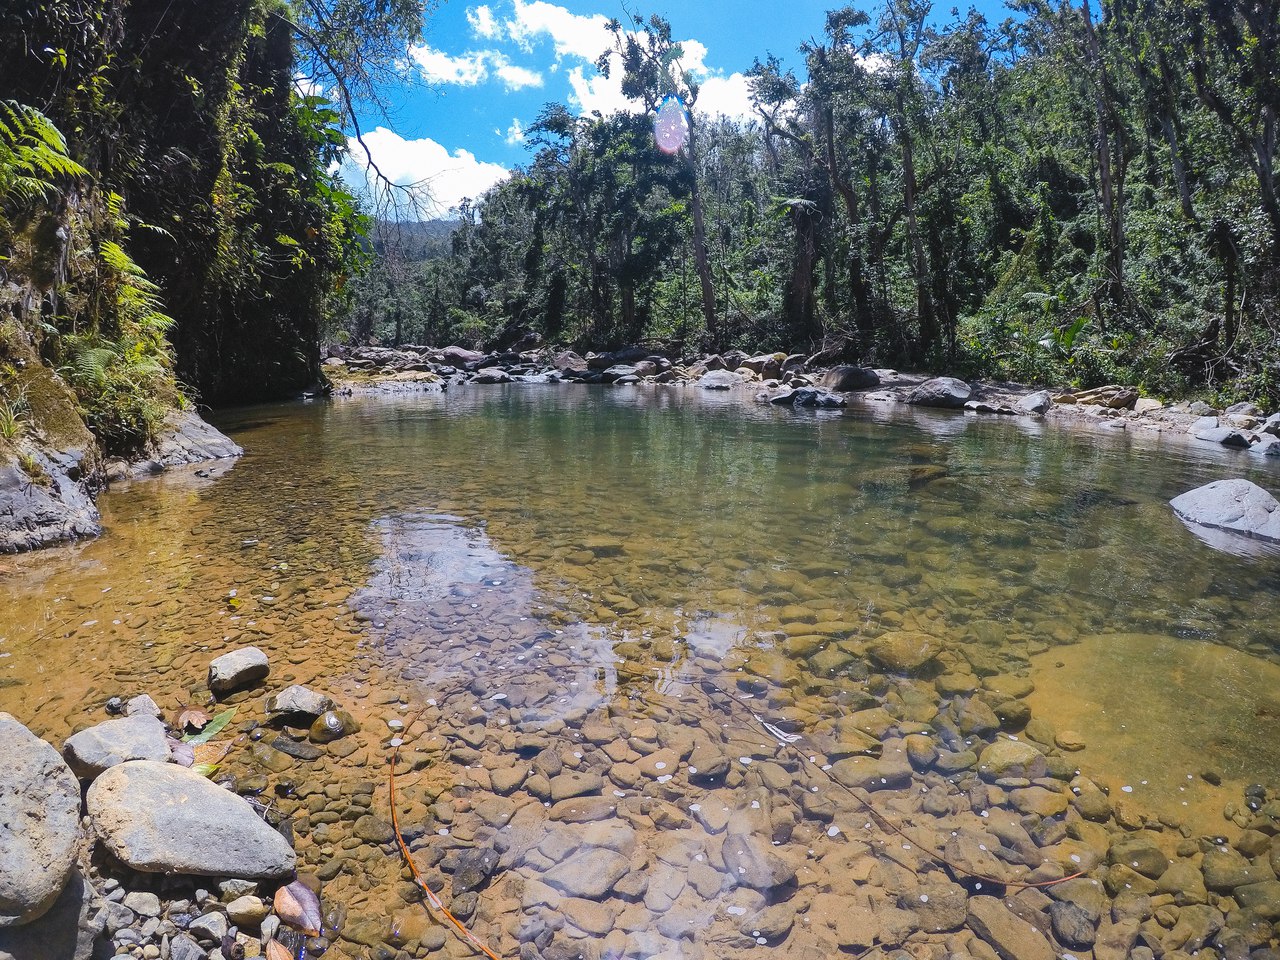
pixel 163 818
pixel 39 824
pixel 847 379
pixel 139 737
pixel 333 725
pixel 1039 402
pixel 67 931
pixel 751 862
pixel 1010 758
pixel 491 376
pixel 947 392
pixel 461 357
pixel 34 515
pixel 297 703
pixel 1012 937
pixel 1237 506
pixel 1226 436
pixel 904 651
pixel 590 874
pixel 237 669
pixel 720 380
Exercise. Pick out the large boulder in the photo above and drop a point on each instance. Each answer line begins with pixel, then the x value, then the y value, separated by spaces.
pixel 846 379
pixel 237 669
pixel 460 357
pixel 69 931
pixel 163 818
pixel 39 824
pixel 720 380
pixel 1236 506
pixel 140 737
pixel 946 392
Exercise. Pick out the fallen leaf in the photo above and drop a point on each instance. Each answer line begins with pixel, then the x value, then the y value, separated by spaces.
pixel 209 753
pixel 299 907
pixel 278 951
pixel 192 718
pixel 183 753
pixel 212 728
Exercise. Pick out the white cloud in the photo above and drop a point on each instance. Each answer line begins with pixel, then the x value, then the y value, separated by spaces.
pixel 438 67
pixel 729 95
pixel 446 178
pixel 600 93
pixel 573 35
pixel 483 23
pixel 515 132
pixel 517 78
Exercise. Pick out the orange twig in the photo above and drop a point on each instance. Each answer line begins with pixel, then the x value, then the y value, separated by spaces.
pixel 434 900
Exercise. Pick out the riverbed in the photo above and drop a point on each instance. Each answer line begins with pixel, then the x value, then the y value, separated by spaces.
pixel 637 631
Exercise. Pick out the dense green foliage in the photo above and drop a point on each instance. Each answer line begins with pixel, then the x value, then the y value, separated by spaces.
pixel 1072 195
pixel 189 227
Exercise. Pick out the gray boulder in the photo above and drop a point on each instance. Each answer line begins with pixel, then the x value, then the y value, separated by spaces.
pixel 845 379
pixel 720 380
pixel 1227 436
pixel 139 737
pixel 1037 403
pixel 946 392
pixel 1272 425
pixel 69 931
pixel 1267 446
pixel 808 397
pixel 298 703
pixel 1236 506
pixel 236 669
pixel 460 357
pixel 492 375
pixel 57 509
pixel 39 824
pixel 163 818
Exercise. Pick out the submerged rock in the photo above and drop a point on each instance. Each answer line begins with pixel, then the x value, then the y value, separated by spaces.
pixel 39 824
pixel 237 669
pixel 163 818
pixel 1236 506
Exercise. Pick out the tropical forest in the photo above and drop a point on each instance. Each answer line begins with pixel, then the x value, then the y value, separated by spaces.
pixel 567 480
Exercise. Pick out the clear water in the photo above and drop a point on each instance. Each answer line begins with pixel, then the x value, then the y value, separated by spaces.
pixel 521 572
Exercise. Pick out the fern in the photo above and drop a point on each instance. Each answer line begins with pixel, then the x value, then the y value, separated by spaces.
pixel 33 155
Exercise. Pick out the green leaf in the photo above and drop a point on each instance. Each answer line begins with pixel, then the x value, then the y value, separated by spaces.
pixel 205 769
pixel 212 728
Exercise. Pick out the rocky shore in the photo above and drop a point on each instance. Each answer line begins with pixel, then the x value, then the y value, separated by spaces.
pixel 796 380
pixel 48 493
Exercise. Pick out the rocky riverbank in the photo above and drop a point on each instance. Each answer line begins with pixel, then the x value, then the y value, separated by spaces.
pixel 49 486
pixel 797 380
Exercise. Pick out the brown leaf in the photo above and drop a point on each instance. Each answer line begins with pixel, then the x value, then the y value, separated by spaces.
pixel 299 907
pixel 278 951
pixel 192 718
pixel 209 752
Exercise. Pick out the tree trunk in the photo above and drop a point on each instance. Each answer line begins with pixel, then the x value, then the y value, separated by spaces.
pixel 700 260
pixel 924 303
pixel 1111 203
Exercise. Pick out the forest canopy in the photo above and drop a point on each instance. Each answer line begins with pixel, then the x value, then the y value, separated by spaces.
pixel 1075 194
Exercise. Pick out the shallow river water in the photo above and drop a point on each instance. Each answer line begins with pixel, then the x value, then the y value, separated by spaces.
pixel 652 654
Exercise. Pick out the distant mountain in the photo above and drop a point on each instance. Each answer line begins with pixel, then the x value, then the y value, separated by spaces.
pixel 413 241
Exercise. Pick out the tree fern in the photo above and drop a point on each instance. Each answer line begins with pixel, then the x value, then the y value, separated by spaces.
pixel 33 155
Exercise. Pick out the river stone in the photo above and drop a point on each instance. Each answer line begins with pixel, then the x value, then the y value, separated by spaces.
pixel 1012 937
pixel 1039 402
pixel 846 379
pixel 947 392
pixel 297 703
pixel 1072 925
pixel 139 737
pixel 163 818
pixel 1262 898
pixel 575 785
pixel 590 874
pixel 67 931
pixel 1237 506
pixel 720 380
pixel 904 651
pixel 751 862
pixel 39 824
pixel 333 725
pixel 1009 758
pixel 1141 854
pixel 237 669
pixel 1224 870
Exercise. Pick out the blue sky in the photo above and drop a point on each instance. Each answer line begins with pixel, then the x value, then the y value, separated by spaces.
pixel 487 69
